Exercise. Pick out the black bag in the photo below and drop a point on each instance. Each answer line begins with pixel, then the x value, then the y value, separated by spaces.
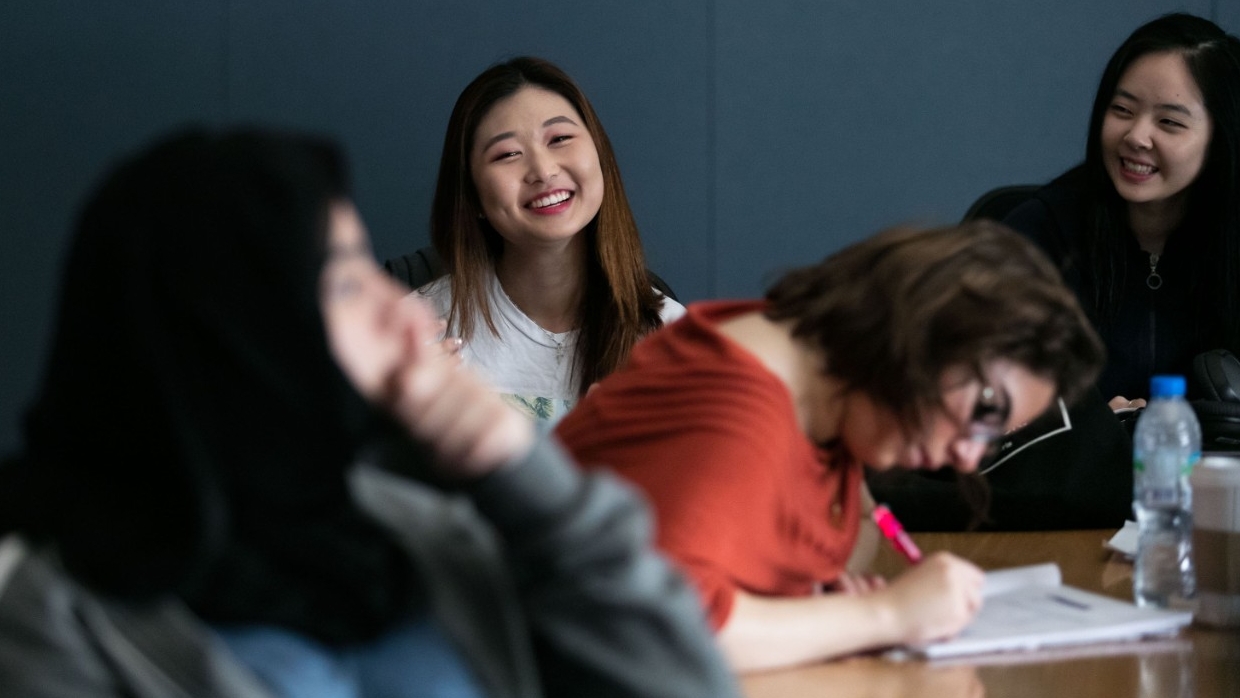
pixel 1214 393
pixel 1070 468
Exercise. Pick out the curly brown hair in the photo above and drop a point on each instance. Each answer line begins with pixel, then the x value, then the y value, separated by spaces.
pixel 892 312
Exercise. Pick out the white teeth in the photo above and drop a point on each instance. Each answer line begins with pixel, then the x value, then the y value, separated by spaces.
pixel 550 199
pixel 1137 168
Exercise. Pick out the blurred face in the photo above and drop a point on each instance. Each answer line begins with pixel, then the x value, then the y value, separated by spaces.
pixel 368 327
pixel 974 414
pixel 536 169
pixel 1156 131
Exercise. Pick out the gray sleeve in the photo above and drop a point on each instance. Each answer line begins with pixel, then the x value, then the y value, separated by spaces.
pixel 58 640
pixel 610 615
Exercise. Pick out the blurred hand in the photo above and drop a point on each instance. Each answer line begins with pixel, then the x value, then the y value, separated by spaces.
pixel 450 345
pixel 442 403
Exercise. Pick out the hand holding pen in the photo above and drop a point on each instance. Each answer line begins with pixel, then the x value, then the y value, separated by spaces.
pixel 934 599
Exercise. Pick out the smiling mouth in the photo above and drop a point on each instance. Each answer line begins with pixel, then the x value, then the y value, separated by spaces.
pixel 1136 167
pixel 551 199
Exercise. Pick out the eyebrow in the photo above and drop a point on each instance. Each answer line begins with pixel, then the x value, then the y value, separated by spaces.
pixel 1169 106
pixel 509 134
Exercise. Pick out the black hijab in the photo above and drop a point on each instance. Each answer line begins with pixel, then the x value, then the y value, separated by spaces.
pixel 193 432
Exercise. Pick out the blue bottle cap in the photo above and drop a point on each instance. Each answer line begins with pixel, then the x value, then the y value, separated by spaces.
pixel 1167 386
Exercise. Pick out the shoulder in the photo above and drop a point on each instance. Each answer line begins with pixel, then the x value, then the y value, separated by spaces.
pixel 669 310
pixel 438 293
pixel 1054 216
pixel 686 387
pixel 437 288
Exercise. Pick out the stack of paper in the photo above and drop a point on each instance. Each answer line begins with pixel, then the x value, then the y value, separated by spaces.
pixel 1027 608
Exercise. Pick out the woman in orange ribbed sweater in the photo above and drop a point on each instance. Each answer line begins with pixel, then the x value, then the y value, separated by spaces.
pixel 748 424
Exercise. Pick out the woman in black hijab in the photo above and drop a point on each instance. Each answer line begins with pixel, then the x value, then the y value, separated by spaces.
pixel 224 340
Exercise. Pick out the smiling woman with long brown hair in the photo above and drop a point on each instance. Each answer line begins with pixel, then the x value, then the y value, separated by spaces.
pixel 547 286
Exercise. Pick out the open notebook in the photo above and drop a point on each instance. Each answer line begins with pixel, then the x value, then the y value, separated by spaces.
pixel 1028 608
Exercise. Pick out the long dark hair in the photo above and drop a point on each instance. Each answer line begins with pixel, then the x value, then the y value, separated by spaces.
pixel 618 305
pixel 193 431
pixel 1212 223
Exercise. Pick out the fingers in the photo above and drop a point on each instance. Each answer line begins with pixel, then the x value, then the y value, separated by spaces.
pixel 938 597
pixel 423 329
pixel 470 428
pixel 1119 403
pixel 452 346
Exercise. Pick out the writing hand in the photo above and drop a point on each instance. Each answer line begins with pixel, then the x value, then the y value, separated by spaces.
pixel 937 598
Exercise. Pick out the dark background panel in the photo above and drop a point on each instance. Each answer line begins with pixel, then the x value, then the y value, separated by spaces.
pixel 384 80
pixel 80 83
pixel 752 135
pixel 834 120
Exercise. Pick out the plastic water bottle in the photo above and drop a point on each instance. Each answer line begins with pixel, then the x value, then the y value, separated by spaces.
pixel 1166 446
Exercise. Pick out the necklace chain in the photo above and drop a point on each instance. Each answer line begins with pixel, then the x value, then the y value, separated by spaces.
pixel 1154 281
pixel 559 345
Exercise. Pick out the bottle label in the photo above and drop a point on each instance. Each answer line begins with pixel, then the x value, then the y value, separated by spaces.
pixel 1190 463
pixel 1184 468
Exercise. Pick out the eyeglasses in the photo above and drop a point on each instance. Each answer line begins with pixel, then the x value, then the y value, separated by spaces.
pixel 988 421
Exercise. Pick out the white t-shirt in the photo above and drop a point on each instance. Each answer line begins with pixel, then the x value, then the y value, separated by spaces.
pixel 529 366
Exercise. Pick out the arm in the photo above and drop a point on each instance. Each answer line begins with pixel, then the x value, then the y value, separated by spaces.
pixel 610 616
pixel 868 537
pixel 933 600
pixel 59 639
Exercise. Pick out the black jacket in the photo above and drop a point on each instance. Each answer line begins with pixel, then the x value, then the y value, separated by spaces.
pixel 1146 330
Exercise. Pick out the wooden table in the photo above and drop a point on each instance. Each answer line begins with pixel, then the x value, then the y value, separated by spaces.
pixel 1199 662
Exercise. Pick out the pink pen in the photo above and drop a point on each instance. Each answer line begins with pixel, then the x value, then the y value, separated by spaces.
pixel 894 532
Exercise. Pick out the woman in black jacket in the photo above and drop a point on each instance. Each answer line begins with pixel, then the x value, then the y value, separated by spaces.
pixel 1147 230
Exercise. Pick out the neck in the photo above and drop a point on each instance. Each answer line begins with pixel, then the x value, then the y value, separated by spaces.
pixel 545 283
pixel 1153 221
pixel 800 367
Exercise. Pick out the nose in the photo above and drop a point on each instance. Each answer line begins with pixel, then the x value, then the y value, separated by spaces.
pixel 542 166
pixel 966 454
pixel 1138 136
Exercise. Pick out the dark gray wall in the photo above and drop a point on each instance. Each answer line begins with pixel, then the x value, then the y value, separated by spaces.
pixel 752 135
